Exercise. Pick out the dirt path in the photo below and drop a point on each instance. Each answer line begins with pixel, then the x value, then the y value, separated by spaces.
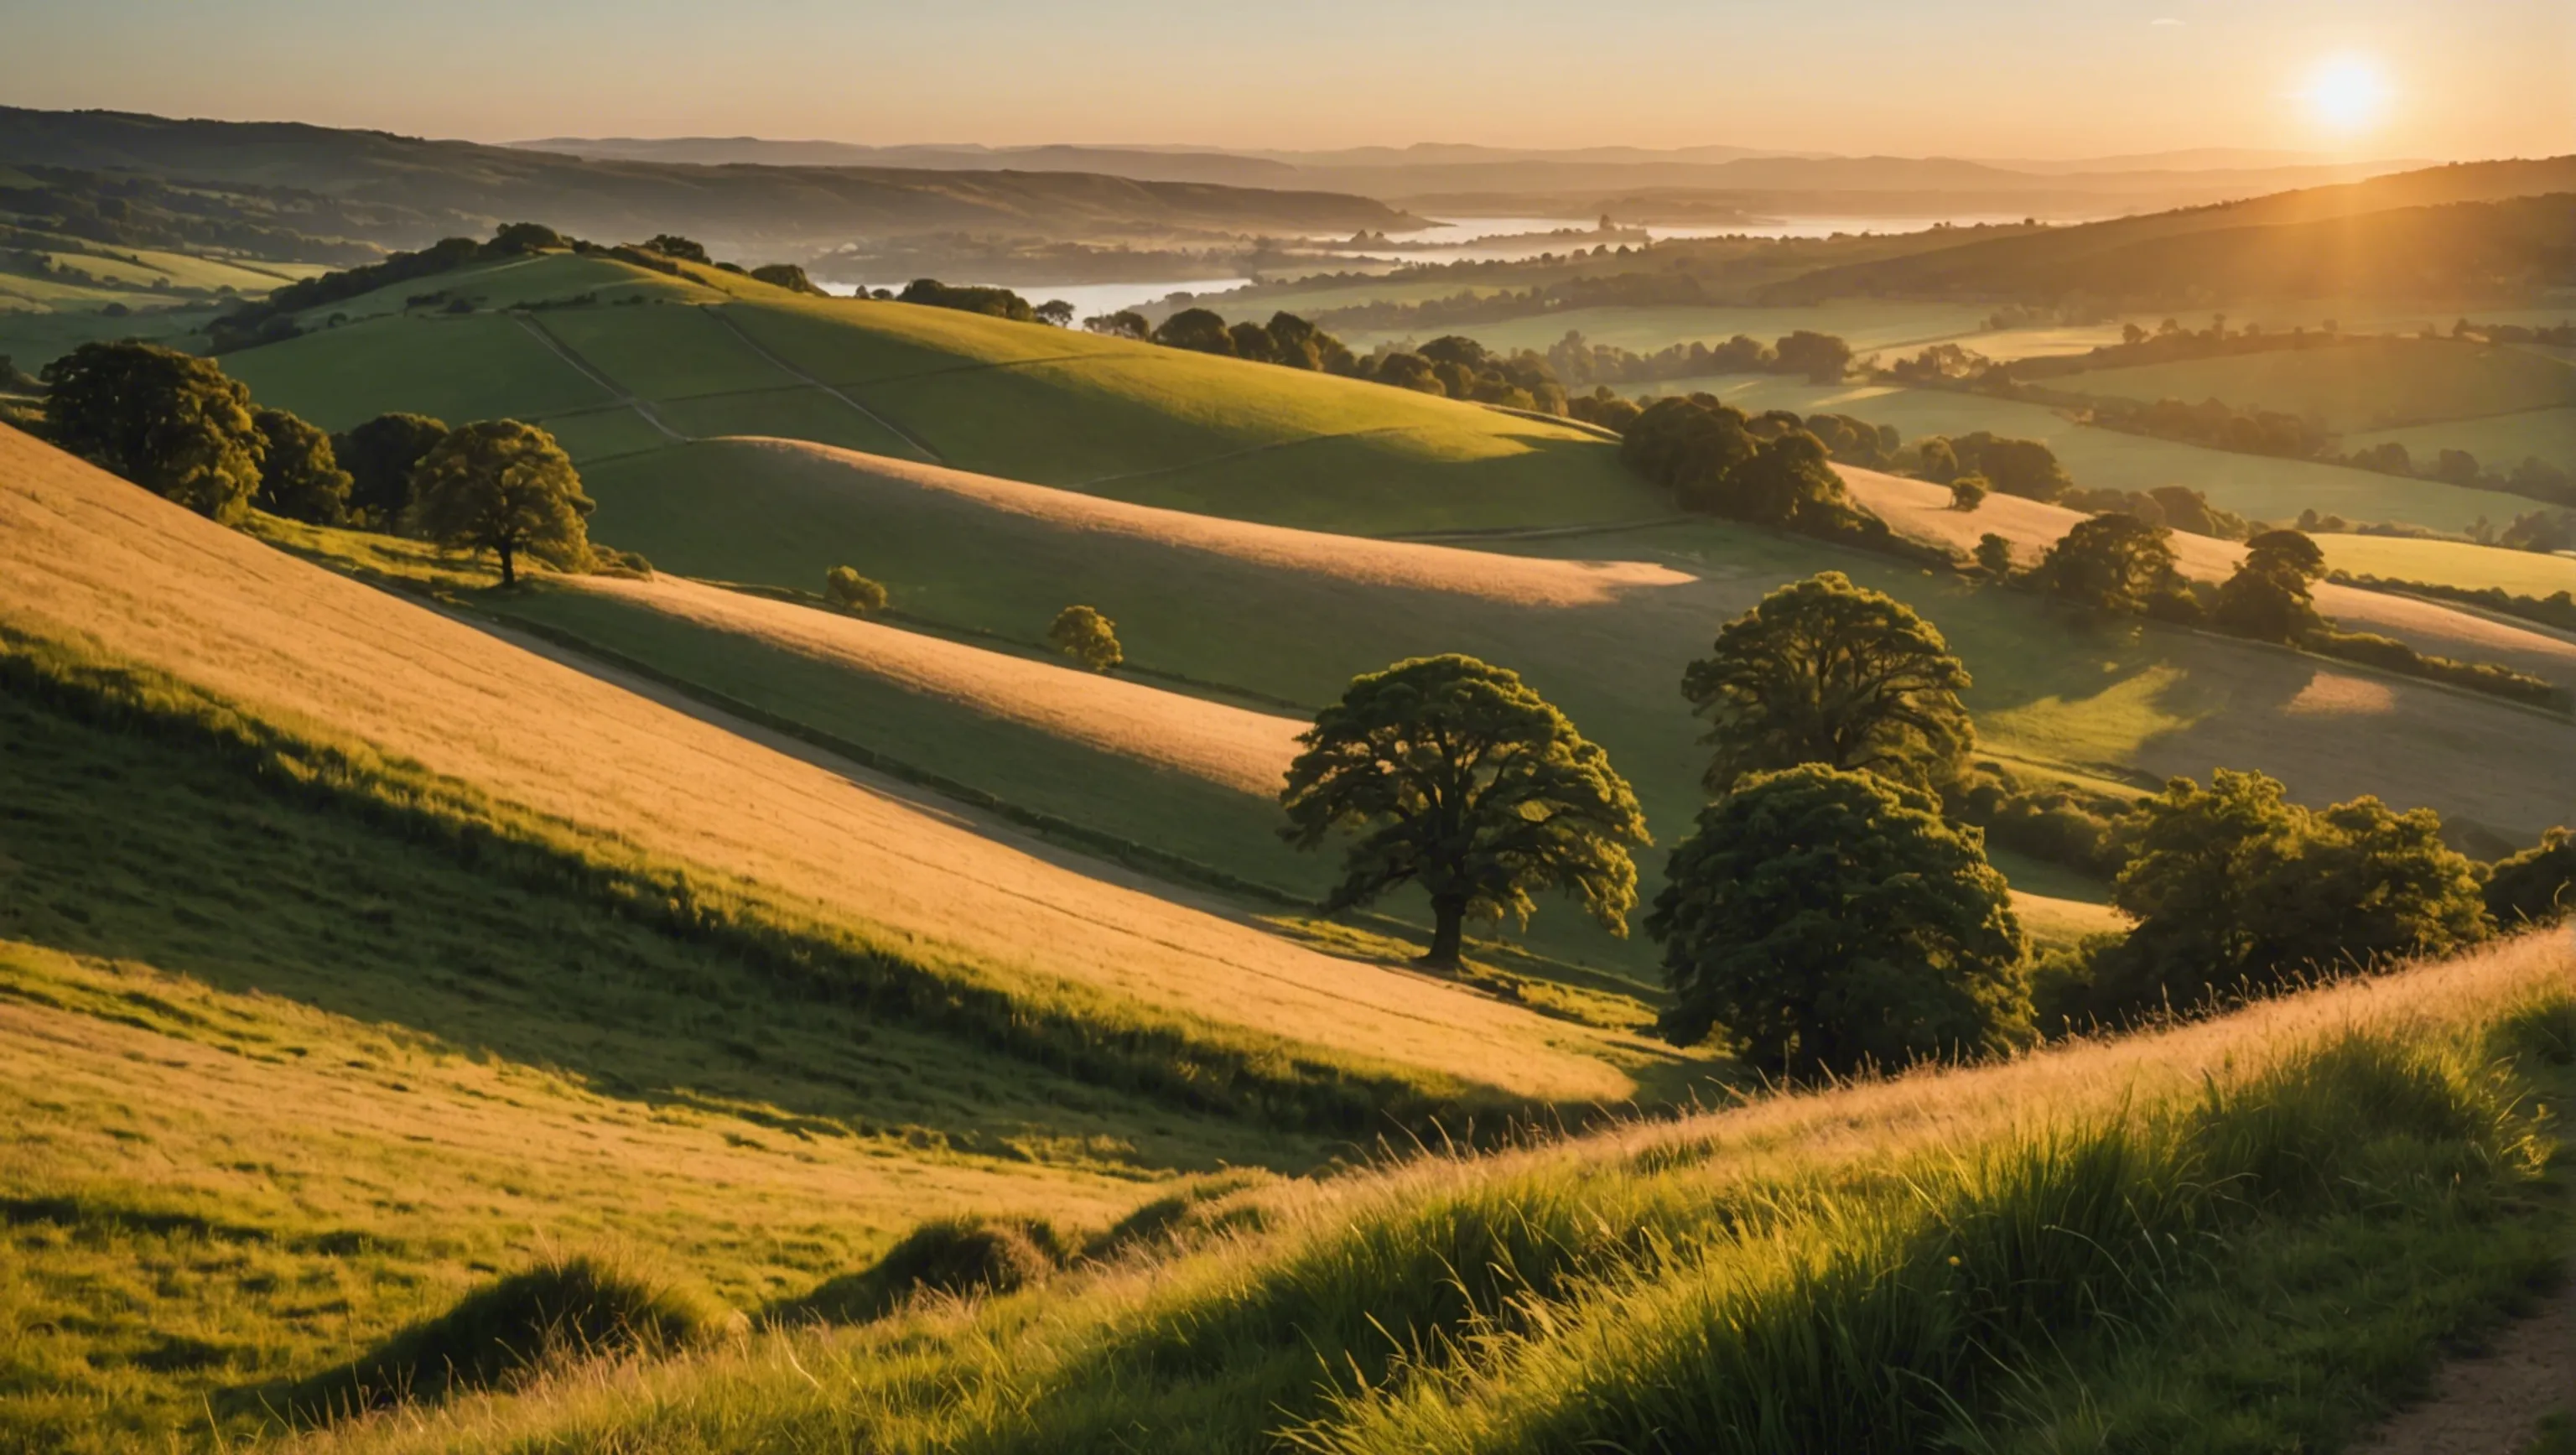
pixel 888 425
pixel 2492 1405
pixel 625 398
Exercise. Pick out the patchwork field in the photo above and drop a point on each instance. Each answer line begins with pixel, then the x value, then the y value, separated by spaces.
pixel 2452 563
pixel 722 356
pixel 2351 387
pixel 2500 441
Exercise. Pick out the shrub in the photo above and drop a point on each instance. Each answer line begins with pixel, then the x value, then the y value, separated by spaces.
pixel 2390 654
pixel 852 592
pixel 2536 886
pixel 1087 637
pixel 501 1333
pixel 1994 555
pixel 961 1257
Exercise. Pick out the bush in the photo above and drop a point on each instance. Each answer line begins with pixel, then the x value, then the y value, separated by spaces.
pixel 1087 637
pixel 2056 822
pixel 2536 886
pixel 2392 655
pixel 501 1333
pixel 960 1257
pixel 852 592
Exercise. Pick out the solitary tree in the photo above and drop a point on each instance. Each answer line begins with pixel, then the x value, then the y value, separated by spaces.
pixel 2112 563
pixel 1994 555
pixel 1055 311
pixel 1458 778
pixel 1087 637
pixel 172 423
pixel 502 486
pixel 853 592
pixel 380 456
pixel 299 476
pixel 1828 920
pixel 1967 492
pixel 2267 599
pixel 1823 671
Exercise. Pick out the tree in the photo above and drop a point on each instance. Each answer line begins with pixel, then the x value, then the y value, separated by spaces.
pixel 1788 481
pixel 2536 886
pixel 299 476
pixel 1252 341
pixel 502 486
pixel 1195 329
pixel 1408 371
pixel 1822 357
pixel 2113 563
pixel 1458 778
pixel 672 245
pixel 380 456
pixel 1940 463
pixel 852 592
pixel 1055 311
pixel 1830 920
pixel 1125 323
pixel 2267 599
pixel 172 423
pixel 1994 555
pixel 1087 637
pixel 1967 492
pixel 1823 671
pixel 2233 886
pixel 2026 468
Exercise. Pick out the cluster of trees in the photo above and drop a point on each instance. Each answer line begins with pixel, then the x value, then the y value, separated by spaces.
pixel 124 209
pixel 1767 469
pixel 1461 368
pixel 2178 506
pixel 2215 424
pixel 1286 339
pixel 177 425
pixel 1822 357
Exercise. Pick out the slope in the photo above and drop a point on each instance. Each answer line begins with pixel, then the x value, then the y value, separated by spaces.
pixel 1602 623
pixel 91 557
pixel 623 360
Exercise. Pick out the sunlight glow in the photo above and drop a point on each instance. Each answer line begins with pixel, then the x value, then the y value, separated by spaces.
pixel 2347 94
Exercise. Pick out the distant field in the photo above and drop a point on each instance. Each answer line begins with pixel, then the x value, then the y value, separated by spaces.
pixel 2353 387
pixel 85 553
pixel 2257 486
pixel 2452 563
pixel 2500 442
pixel 1067 408
pixel 1865 323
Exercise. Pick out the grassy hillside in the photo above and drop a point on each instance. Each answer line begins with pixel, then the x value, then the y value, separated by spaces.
pixel 992 920
pixel 1992 1259
pixel 1213 603
pixel 2362 386
pixel 2260 487
pixel 2452 563
pixel 713 355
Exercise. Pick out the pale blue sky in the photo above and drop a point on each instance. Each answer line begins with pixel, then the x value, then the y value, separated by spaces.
pixel 1913 77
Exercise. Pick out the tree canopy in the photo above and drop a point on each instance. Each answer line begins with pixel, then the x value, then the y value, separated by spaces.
pixel 1456 777
pixel 502 486
pixel 1825 920
pixel 2016 467
pixel 852 592
pixel 380 456
pixel 2268 599
pixel 2536 886
pixel 1083 634
pixel 1199 330
pixel 2115 564
pixel 2233 886
pixel 1823 671
pixel 299 476
pixel 173 423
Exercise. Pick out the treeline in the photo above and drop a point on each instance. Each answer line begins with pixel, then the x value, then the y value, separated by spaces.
pixel 180 427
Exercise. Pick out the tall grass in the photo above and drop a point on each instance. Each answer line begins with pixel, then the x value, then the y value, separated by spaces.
pixel 2165 1248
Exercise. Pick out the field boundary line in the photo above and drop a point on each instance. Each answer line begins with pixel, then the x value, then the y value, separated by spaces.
pixel 1354 434
pixel 889 426
pixel 624 396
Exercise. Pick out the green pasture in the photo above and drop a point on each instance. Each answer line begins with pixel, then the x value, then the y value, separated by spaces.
pixel 2500 441
pixel 470 1073
pixel 2260 487
pixel 1867 324
pixel 1023 401
pixel 2380 384
pixel 2452 563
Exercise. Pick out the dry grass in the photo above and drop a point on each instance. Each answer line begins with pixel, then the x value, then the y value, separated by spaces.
pixel 1510 580
pixel 82 553
pixel 1229 746
pixel 1921 509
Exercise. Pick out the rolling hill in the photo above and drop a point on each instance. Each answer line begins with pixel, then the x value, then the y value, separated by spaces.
pixel 644 360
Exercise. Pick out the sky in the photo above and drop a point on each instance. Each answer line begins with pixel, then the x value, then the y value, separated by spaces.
pixel 1985 78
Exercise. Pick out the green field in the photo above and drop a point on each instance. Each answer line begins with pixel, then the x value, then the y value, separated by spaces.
pixel 1866 324
pixel 2380 384
pixel 1119 418
pixel 2260 487
pixel 2499 441
pixel 2451 563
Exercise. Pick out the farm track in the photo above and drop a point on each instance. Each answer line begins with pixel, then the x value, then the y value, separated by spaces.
pixel 643 408
pixel 774 361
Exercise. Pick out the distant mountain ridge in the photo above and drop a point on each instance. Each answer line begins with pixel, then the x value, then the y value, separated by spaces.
pixel 430 188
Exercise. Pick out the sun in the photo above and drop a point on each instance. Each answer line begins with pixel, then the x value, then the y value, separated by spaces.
pixel 2347 94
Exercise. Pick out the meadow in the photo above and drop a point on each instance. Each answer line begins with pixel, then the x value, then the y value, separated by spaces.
pixel 2500 441
pixel 2240 1235
pixel 720 355
pixel 2378 384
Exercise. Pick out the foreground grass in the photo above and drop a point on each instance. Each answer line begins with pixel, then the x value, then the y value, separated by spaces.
pixel 2248 1235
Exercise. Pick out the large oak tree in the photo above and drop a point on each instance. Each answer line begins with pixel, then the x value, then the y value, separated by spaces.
pixel 502 486
pixel 1456 777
